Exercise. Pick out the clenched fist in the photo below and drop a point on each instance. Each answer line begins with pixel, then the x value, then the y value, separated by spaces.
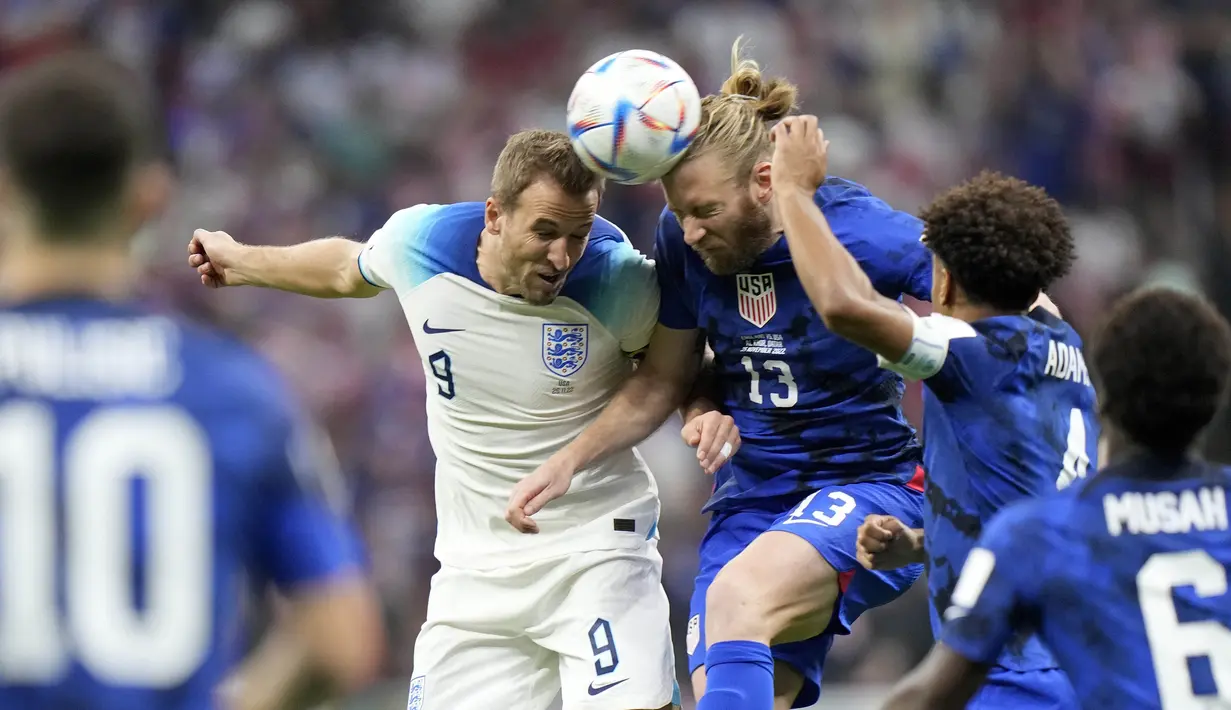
pixel 214 256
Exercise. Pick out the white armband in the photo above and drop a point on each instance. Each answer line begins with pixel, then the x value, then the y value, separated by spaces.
pixel 929 347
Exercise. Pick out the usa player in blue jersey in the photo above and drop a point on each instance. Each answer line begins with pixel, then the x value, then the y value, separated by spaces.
pixel 824 441
pixel 1124 575
pixel 147 467
pixel 1008 404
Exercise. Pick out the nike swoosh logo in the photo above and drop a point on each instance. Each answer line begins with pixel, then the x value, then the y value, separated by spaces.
pixel 604 688
pixel 433 331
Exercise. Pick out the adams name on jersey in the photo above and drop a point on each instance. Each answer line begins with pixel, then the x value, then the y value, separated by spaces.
pixel 509 383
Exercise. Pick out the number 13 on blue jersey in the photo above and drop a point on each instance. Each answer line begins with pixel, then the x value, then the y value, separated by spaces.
pixel 785 381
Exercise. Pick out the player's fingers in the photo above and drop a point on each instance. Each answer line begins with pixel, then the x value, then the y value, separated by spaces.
pixel 691 433
pixel 873 528
pixel 542 498
pixel 518 518
pixel 522 492
pixel 194 244
pixel 196 259
pixel 711 426
pixel 723 446
pixel 892 525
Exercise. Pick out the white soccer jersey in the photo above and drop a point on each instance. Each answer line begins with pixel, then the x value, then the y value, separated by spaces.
pixel 510 383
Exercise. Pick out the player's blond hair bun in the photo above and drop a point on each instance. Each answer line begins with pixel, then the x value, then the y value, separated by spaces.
pixel 772 97
pixel 735 121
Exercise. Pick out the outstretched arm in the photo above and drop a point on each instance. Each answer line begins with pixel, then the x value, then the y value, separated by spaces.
pixel 324 268
pixel 838 287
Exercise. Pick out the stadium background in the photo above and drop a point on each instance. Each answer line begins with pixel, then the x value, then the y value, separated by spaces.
pixel 305 118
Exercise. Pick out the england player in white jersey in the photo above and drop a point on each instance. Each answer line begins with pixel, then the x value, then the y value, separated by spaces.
pixel 527 311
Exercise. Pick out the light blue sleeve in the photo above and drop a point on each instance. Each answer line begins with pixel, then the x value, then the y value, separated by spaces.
pixel 627 296
pixel 640 301
pixel 390 258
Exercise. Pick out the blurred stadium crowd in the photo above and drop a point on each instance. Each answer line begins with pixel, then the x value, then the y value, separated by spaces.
pixel 305 118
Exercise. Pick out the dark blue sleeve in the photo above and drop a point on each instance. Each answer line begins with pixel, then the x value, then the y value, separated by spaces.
pixel 676 309
pixel 950 357
pixel 302 533
pixel 994 596
pixel 887 245
pixel 969 367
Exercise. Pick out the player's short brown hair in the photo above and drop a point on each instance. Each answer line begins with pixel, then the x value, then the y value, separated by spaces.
pixel 532 155
pixel 735 122
pixel 1002 239
pixel 1162 364
pixel 72 127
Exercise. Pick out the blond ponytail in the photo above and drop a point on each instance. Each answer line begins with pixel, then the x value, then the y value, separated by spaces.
pixel 771 97
pixel 735 121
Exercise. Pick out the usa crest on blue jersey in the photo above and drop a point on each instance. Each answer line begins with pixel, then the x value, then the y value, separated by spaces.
pixel 757 302
pixel 565 347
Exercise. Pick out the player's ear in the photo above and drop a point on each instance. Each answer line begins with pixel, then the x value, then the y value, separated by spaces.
pixel 762 187
pixel 149 191
pixel 946 290
pixel 491 216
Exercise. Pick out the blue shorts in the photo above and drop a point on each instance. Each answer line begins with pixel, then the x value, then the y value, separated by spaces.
pixel 829 519
pixel 1047 689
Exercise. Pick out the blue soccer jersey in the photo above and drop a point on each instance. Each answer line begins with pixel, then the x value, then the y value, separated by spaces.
pixel 813 409
pixel 1124 576
pixel 1008 413
pixel 147 468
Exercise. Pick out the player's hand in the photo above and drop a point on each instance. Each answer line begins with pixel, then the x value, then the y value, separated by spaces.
pixel 714 436
pixel 213 255
pixel 801 154
pixel 547 483
pixel 884 542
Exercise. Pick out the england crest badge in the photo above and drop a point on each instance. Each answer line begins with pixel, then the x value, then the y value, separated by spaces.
pixel 565 347
pixel 757 303
pixel 418 688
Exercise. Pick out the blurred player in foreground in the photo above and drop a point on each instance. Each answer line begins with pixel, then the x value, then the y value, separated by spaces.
pixel 1008 405
pixel 824 439
pixel 527 310
pixel 1123 575
pixel 146 465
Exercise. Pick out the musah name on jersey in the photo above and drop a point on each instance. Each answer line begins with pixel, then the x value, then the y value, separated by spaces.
pixel 757 303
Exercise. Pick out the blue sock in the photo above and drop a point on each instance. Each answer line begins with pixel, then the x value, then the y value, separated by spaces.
pixel 739 675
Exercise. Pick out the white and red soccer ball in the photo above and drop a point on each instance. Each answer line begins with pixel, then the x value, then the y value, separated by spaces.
pixel 632 115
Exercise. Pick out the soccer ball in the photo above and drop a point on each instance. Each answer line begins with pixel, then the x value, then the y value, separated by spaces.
pixel 632 115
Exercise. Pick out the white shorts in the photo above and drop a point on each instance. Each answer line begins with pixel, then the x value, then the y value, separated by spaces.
pixel 586 631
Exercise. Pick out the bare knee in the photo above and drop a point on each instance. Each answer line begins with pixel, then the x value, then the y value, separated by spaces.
pixel 779 589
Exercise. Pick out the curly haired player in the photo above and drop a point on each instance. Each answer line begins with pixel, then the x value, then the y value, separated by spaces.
pixel 1124 575
pixel 1008 405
